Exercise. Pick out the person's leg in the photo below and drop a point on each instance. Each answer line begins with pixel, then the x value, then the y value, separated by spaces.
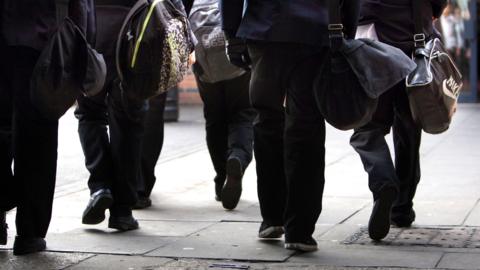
pixel 216 127
pixel 126 118
pixel 7 190
pixel 369 142
pixel 152 144
pixel 406 138
pixel 240 115
pixel 267 96
pixel 35 158
pixel 304 152
pixel 92 116
pixel 7 183
pixel 240 119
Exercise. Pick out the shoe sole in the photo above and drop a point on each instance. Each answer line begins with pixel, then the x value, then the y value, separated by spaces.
pixel 379 223
pixel 96 214
pixel 232 190
pixel 301 247
pixel 271 232
pixel 122 227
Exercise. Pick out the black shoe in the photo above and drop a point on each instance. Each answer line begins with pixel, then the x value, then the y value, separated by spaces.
pixel 379 223
pixel 95 211
pixel 403 220
pixel 142 203
pixel 126 223
pixel 26 245
pixel 232 190
pixel 3 228
pixel 270 232
pixel 307 245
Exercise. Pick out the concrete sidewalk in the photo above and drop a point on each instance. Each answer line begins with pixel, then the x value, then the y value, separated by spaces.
pixel 187 229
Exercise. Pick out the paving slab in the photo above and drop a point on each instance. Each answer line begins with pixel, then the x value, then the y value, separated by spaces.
pixel 460 261
pixel 337 209
pixel 364 257
pixel 40 261
pixel 338 233
pixel 120 262
pixel 226 240
pixel 474 217
pixel 105 241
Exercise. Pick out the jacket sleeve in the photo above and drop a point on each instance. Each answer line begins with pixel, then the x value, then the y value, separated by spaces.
pixel 438 6
pixel 351 13
pixel 232 13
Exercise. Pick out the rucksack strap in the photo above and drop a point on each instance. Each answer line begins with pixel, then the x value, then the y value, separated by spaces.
pixel 419 37
pixel 139 5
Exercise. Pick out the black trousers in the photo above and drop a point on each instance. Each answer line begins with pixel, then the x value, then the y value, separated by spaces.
pixel 369 141
pixel 113 158
pixel 229 117
pixel 30 141
pixel 288 145
pixel 152 144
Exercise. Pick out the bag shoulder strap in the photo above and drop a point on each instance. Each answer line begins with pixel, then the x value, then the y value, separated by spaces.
pixel 335 25
pixel 419 38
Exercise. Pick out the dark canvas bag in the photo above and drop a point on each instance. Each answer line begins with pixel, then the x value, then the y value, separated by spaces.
pixel 433 87
pixel 212 64
pixel 152 49
pixel 355 73
pixel 68 66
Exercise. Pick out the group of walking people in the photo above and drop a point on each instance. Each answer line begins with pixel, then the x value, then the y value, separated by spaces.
pixel 258 99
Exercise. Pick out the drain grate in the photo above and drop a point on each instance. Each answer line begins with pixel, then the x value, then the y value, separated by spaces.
pixel 445 237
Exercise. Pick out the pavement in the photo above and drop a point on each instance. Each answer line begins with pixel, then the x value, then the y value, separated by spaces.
pixel 187 229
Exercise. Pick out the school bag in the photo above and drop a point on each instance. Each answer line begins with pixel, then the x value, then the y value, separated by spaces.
pixel 212 64
pixel 152 49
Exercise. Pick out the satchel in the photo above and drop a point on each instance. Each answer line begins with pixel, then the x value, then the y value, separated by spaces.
pixel 434 86
pixel 152 49
pixel 68 66
pixel 355 73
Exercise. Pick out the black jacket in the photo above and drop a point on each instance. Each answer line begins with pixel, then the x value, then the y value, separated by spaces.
pixel 394 19
pixel 28 22
pixel 298 21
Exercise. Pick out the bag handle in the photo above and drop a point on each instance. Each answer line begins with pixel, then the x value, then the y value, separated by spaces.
pixel 419 37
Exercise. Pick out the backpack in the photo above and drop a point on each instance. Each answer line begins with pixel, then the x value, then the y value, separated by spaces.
pixel 152 49
pixel 212 63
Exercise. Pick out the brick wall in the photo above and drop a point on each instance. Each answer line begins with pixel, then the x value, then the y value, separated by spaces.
pixel 188 92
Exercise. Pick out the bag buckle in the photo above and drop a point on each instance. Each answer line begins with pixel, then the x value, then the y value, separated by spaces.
pixel 419 40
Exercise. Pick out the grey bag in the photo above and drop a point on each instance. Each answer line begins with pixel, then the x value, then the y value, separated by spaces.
pixel 212 63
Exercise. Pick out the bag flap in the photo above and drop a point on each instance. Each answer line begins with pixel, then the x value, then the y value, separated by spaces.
pixel 377 65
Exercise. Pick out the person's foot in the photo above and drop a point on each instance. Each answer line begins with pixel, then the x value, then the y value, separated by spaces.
pixel 125 223
pixel 27 245
pixel 100 201
pixel 3 228
pixel 379 223
pixel 402 220
pixel 270 232
pixel 142 203
pixel 232 190
pixel 307 245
